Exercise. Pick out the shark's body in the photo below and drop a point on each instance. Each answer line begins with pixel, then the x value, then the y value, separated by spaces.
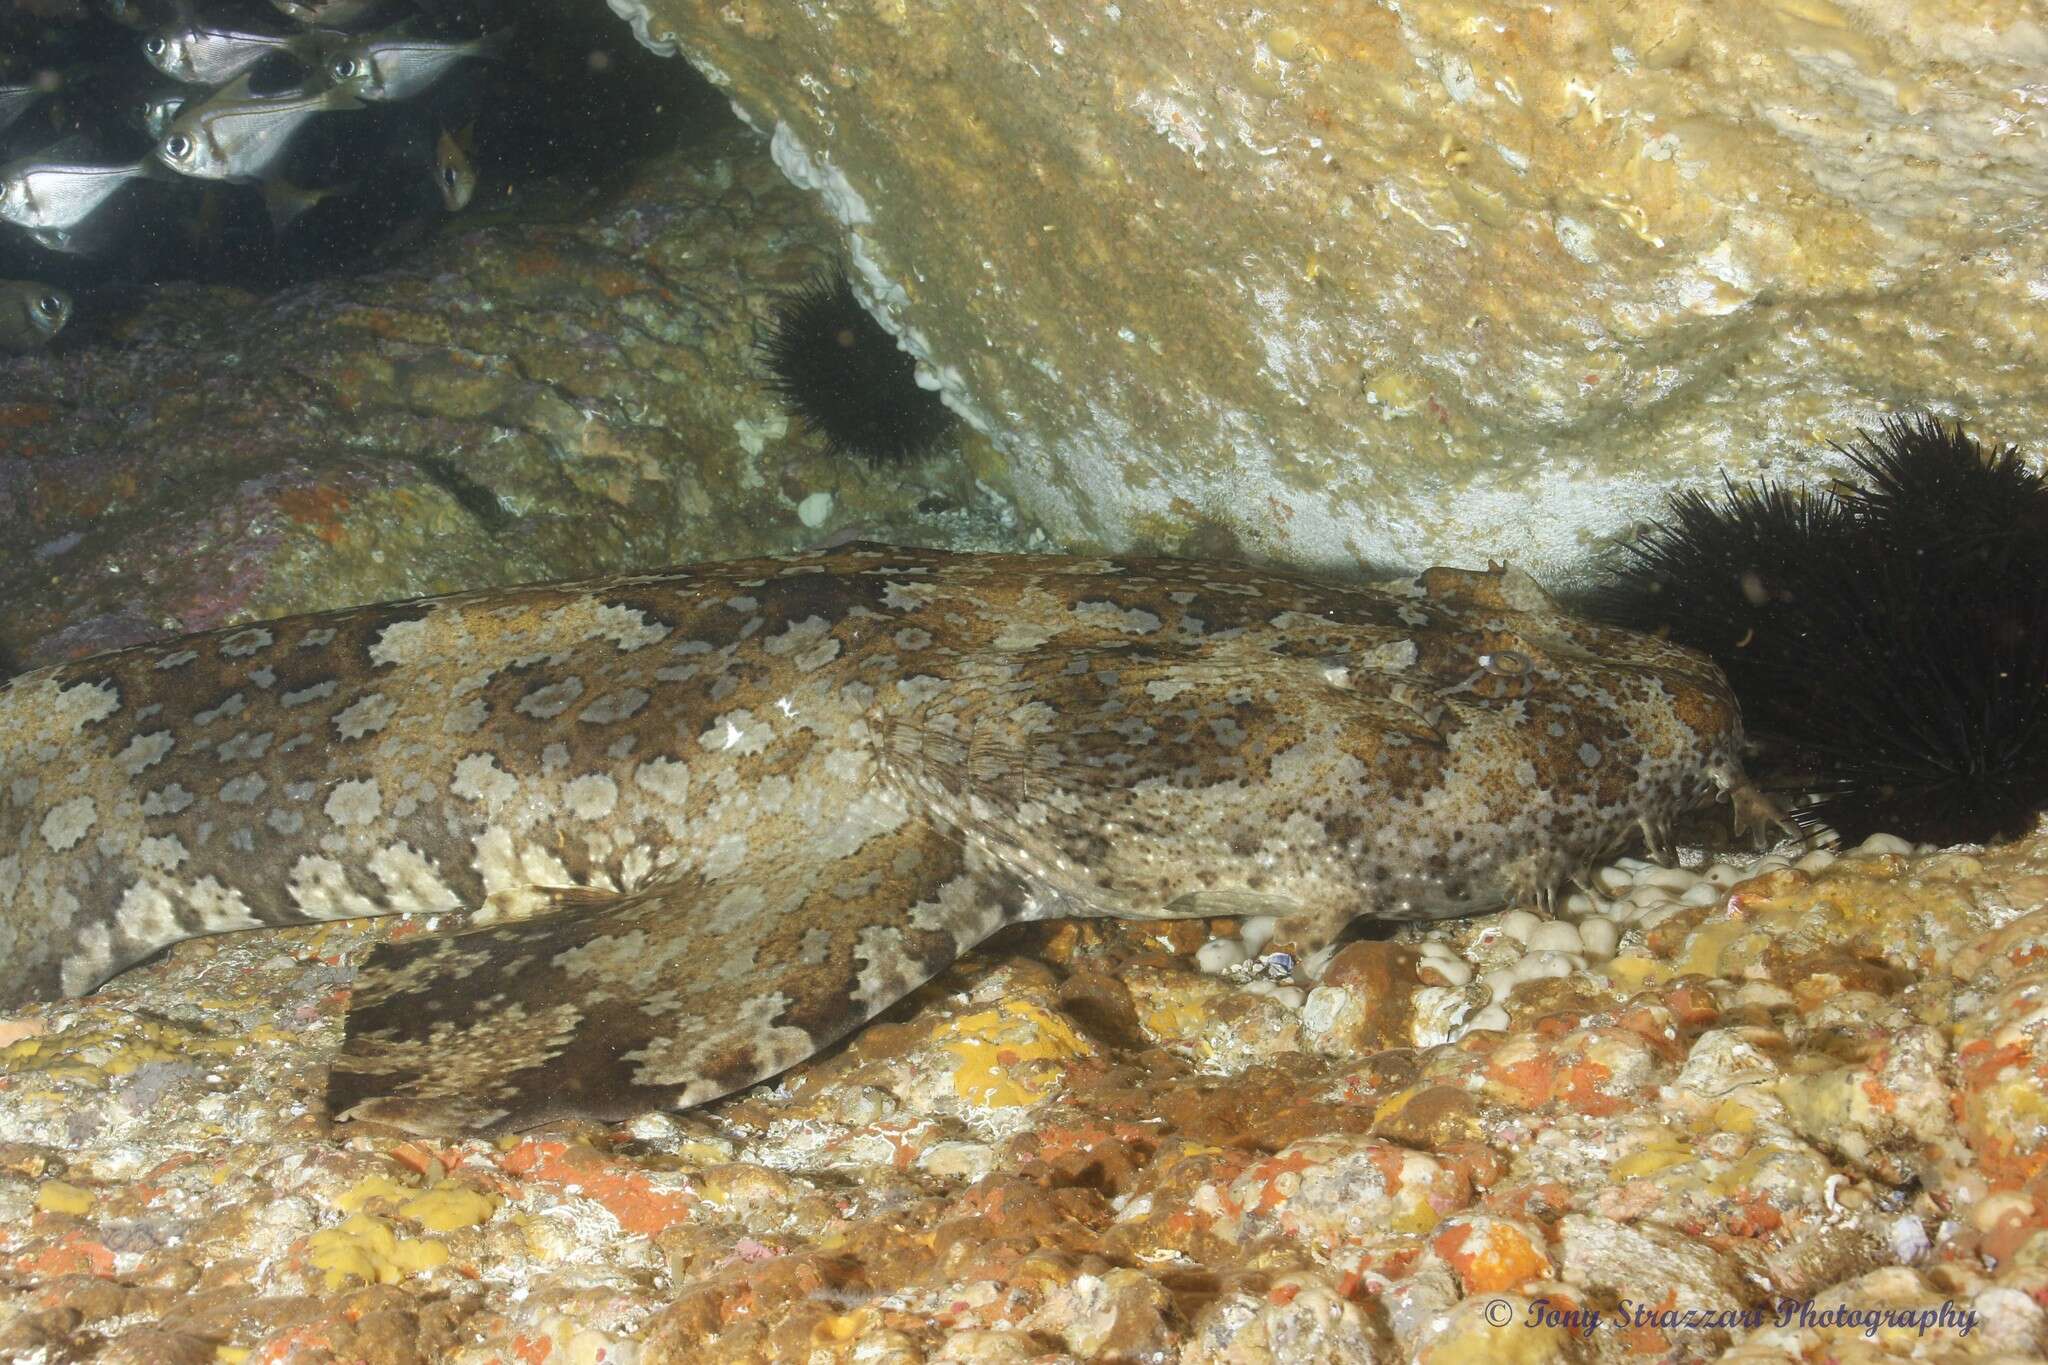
pixel 711 819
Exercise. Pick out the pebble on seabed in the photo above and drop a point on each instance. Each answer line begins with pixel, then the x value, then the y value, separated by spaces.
pixel 1400 1110
pixel 1628 896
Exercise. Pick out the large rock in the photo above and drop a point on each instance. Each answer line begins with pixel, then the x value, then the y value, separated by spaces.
pixel 1352 282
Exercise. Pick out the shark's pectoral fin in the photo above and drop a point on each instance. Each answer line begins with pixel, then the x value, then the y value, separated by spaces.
pixel 657 999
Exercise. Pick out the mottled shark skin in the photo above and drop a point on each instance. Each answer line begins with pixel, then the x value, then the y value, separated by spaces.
pixel 709 820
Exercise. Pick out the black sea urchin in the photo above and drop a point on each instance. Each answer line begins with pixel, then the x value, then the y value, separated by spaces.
pixel 1888 642
pixel 844 376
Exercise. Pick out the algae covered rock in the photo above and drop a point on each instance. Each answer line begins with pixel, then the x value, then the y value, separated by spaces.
pixel 1332 283
pixel 513 401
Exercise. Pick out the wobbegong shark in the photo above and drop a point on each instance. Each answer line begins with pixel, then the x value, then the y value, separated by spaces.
pixel 707 821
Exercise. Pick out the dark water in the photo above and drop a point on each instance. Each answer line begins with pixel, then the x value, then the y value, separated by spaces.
pixel 553 126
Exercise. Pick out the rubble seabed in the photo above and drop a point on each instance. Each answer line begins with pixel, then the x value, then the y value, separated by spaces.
pixel 1787 1107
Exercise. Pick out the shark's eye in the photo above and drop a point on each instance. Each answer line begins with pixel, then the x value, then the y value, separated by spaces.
pixel 1502 675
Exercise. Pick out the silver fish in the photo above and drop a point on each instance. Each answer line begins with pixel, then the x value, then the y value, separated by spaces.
pixel 30 314
pixel 286 201
pixel 328 13
pixel 236 136
pixel 454 172
pixel 56 196
pixel 383 67
pixel 199 55
pixel 125 12
pixel 70 241
pixel 157 113
pixel 16 100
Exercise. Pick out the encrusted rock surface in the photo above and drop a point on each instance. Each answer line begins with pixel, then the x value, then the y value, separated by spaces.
pixel 1738 1108
pixel 1357 281
pixel 517 401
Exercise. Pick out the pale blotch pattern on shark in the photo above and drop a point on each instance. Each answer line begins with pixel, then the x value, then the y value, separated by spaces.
pixel 706 821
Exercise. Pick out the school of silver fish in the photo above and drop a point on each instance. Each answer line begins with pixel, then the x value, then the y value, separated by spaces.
pixel 217 126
